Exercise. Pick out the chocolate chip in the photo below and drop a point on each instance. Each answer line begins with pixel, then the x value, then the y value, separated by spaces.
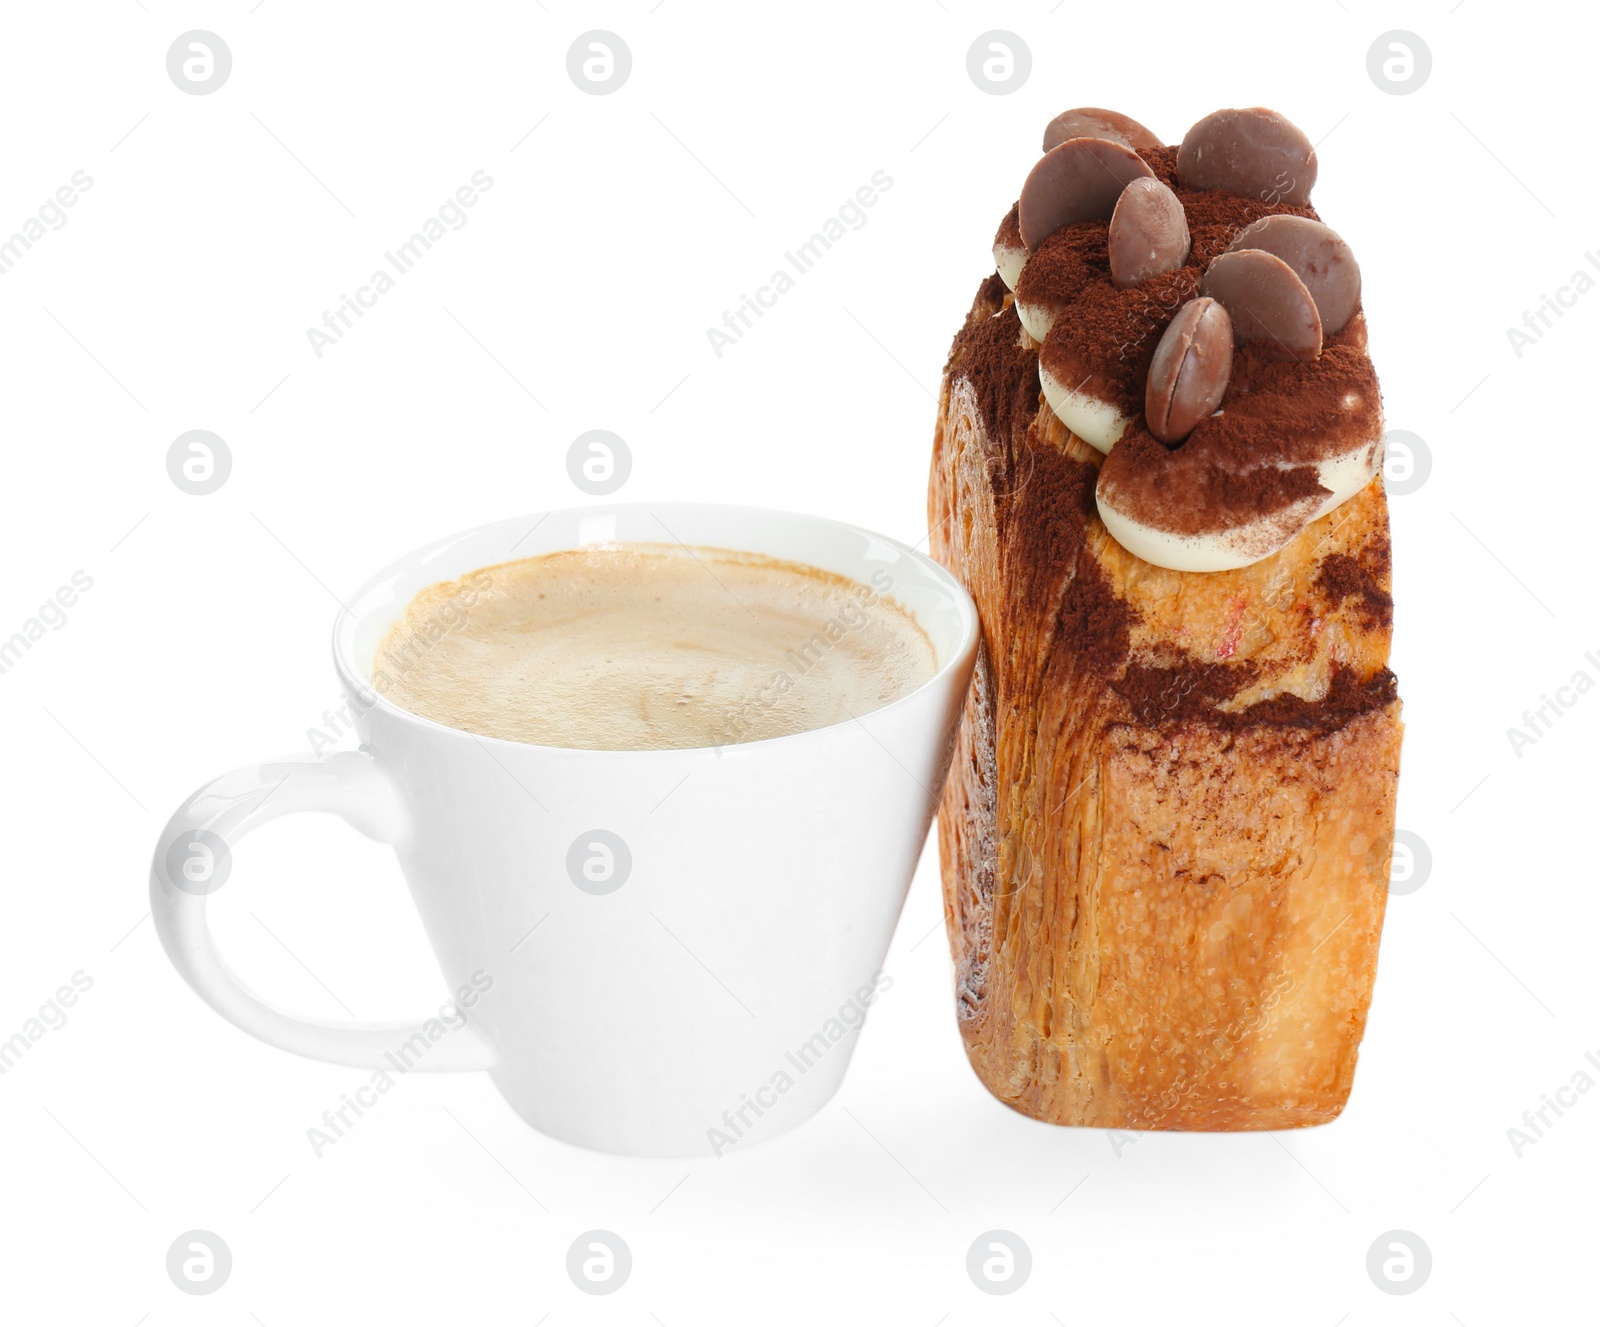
pixel 1149 234
pixel 1320 259
pixel 1190 370
pixel 1092 122
pixel 1266 301
pixel 1249 152
pixel 1080 180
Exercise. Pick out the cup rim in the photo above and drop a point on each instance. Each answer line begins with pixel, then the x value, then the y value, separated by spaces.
pixel 345 620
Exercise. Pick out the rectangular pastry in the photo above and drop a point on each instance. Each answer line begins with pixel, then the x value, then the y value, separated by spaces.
pixel 1167 832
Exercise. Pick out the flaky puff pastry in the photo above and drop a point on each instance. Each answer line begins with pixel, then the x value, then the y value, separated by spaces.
pixel 1167 832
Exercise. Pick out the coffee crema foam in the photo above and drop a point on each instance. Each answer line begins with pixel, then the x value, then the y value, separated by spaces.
pixel 651 646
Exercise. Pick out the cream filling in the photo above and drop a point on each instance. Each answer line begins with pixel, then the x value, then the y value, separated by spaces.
pixel 1009 261
pixel 1036 319
pixel 1343 476
pixel 1093 420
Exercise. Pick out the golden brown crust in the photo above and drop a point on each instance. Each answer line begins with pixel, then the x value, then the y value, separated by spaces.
pixel 1167 830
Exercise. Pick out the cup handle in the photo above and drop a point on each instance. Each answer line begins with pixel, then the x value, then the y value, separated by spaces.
pixel 196 850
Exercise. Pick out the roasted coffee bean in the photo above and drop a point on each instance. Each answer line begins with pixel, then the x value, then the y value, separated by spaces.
pixel 1190 371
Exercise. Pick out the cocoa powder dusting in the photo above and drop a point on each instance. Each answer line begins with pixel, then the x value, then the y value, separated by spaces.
pixel 1066 262
pixel 1342 577
pixel 1104 347
pixel 1046 497
pixel 1173 489
pixel 988 352
pixel 991 295
pixel 1010 232
pixel 1047 521
pixel 1103 344
pixel 1215 217
pixel 1348 698
pixel 1157 697
pixel 1297 413
pixel 1302 411
pixel 1095 620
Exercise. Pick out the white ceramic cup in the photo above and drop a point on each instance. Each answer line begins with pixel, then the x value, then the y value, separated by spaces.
pixel 657 953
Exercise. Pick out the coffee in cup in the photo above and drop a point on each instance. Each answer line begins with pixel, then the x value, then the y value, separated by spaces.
pixel 626 647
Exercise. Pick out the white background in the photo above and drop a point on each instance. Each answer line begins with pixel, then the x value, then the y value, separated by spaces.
pixel 619 227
